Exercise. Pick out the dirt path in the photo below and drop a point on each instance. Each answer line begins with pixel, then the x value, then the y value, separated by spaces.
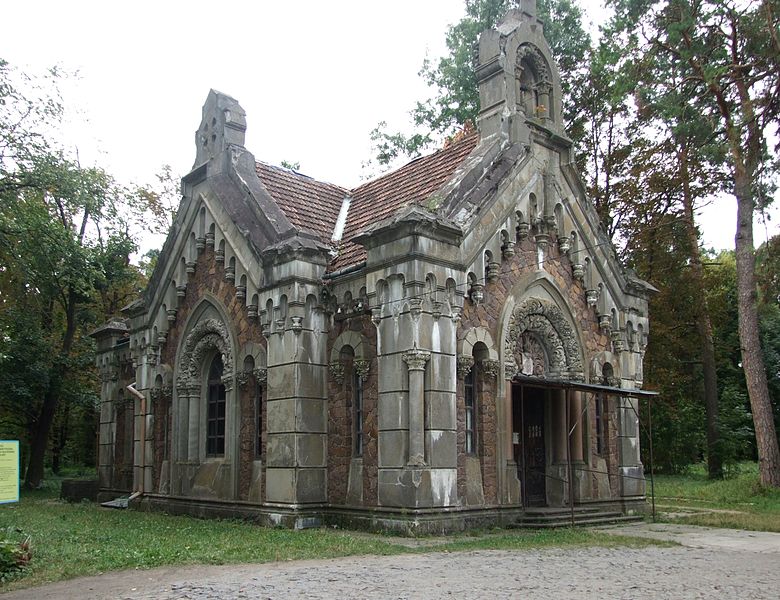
pixel 702 568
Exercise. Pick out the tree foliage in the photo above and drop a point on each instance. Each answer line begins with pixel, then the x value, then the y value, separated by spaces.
pixel 64 251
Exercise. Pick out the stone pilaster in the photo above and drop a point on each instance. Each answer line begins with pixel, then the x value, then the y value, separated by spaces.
pixel 415 361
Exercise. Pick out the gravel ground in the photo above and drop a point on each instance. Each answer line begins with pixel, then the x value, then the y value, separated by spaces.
pixel 584 573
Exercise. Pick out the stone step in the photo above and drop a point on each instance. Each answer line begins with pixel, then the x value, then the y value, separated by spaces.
pixel 581 520
pixel 117 503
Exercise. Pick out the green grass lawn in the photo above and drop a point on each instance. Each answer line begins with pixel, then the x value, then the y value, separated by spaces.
pixel 71 540
pixel 751 506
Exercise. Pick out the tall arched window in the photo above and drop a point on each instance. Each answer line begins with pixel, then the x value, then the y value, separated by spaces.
pixel 470 402
pixel 215 420
pixel 357 414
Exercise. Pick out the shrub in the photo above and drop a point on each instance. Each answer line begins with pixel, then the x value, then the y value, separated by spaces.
pixel 15 556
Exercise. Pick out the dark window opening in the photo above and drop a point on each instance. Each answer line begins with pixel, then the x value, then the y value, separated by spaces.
pixel 600 424
pixel 470 402
pixel 259 422
pixel 215 420
pixel 357 411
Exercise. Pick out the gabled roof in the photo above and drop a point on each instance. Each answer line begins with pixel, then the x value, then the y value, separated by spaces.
pixel 314 205
pixel 309 204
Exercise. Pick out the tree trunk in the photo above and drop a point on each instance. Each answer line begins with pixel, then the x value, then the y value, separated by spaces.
pixel 703 325
pixel 40 438
pixel 752 357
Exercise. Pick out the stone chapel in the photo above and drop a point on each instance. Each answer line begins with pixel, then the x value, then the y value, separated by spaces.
pixel 452 344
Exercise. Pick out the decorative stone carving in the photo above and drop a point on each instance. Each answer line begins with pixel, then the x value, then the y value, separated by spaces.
pixel 230 274
pixel 436 307
pixel 155 394
pixel 415 359
pixel 251 311
pixel 415 307
pixel 564 244
pixel 265 329
pixel 612 381
pixel 457 313
pixel 166 391
pixel 376 316
pixel 523 229
pixel 508 250
pixel 280 326
pixel 337 372
pixel 181 290
pixel 171 315
pixel 210 239
pixel 200 244
pixel 243 378
pixel 551 328
pixel 227 381
pixel 190 267
pixel 477 293
pixel 605 323
pixel 617 341
pixel 493 271
pixel 362 367
pixel 510 370
pixel 578 271
pixel 592 297
pixel 296 324
pixel 490 368
pixel 241 292
pixel 531 356
pixel 205 337
pixel 464 365
pixel 261 375
pixel 162 338
pixel 219 255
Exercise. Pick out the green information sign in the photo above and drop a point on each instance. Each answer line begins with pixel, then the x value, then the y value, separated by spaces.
pixel 9 471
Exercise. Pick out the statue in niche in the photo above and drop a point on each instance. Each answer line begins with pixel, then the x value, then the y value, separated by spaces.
pixel 530 355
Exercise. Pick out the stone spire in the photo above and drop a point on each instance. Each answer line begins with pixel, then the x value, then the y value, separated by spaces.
pixel 223 124
pixel 519 84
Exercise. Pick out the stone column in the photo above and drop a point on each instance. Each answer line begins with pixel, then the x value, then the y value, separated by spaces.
pixel 415 361
pixel 560 430
pixel 576 426
pixel 193 423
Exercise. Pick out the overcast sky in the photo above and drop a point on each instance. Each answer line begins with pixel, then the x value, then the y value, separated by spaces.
pixel 314 78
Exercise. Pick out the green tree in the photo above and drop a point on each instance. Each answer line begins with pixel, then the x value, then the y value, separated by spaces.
pixel 64 246
pixel 728 55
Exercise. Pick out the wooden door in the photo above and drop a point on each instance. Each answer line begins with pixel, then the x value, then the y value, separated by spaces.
pixel 528 425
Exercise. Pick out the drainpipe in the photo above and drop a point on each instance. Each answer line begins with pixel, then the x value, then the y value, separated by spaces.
pixel 142 398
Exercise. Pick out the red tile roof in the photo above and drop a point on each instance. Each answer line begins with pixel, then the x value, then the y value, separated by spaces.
pixel 315 206
pixel 309 204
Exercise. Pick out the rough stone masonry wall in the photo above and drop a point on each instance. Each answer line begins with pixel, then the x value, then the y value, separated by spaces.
pixel 340 397
pixel 209 277
pixel 488 314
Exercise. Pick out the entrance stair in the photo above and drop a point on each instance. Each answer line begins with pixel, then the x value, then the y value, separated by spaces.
pixel 546 517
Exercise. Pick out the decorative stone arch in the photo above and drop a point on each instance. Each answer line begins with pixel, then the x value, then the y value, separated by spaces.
pixel 362 360
pixel 205 337
pixel 259 361
pixel 549 325
pixel 465 361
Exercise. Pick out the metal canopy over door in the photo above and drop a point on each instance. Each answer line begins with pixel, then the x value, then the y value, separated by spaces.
pixel 528 407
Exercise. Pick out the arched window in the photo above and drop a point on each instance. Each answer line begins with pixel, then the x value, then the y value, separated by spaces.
pixel 357 413
pixel 215 420
pixel 469 397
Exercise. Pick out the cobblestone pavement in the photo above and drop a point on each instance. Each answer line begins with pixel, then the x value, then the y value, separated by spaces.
pixel 583 573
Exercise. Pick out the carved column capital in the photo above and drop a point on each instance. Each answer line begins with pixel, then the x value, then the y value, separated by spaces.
pixel 465 363
pixel 362 367
pixel 261 374
pixel 510 370
pixel 227 381
pixel 490 368
pixel 337 372
pixel 243 379
pixel 415 359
